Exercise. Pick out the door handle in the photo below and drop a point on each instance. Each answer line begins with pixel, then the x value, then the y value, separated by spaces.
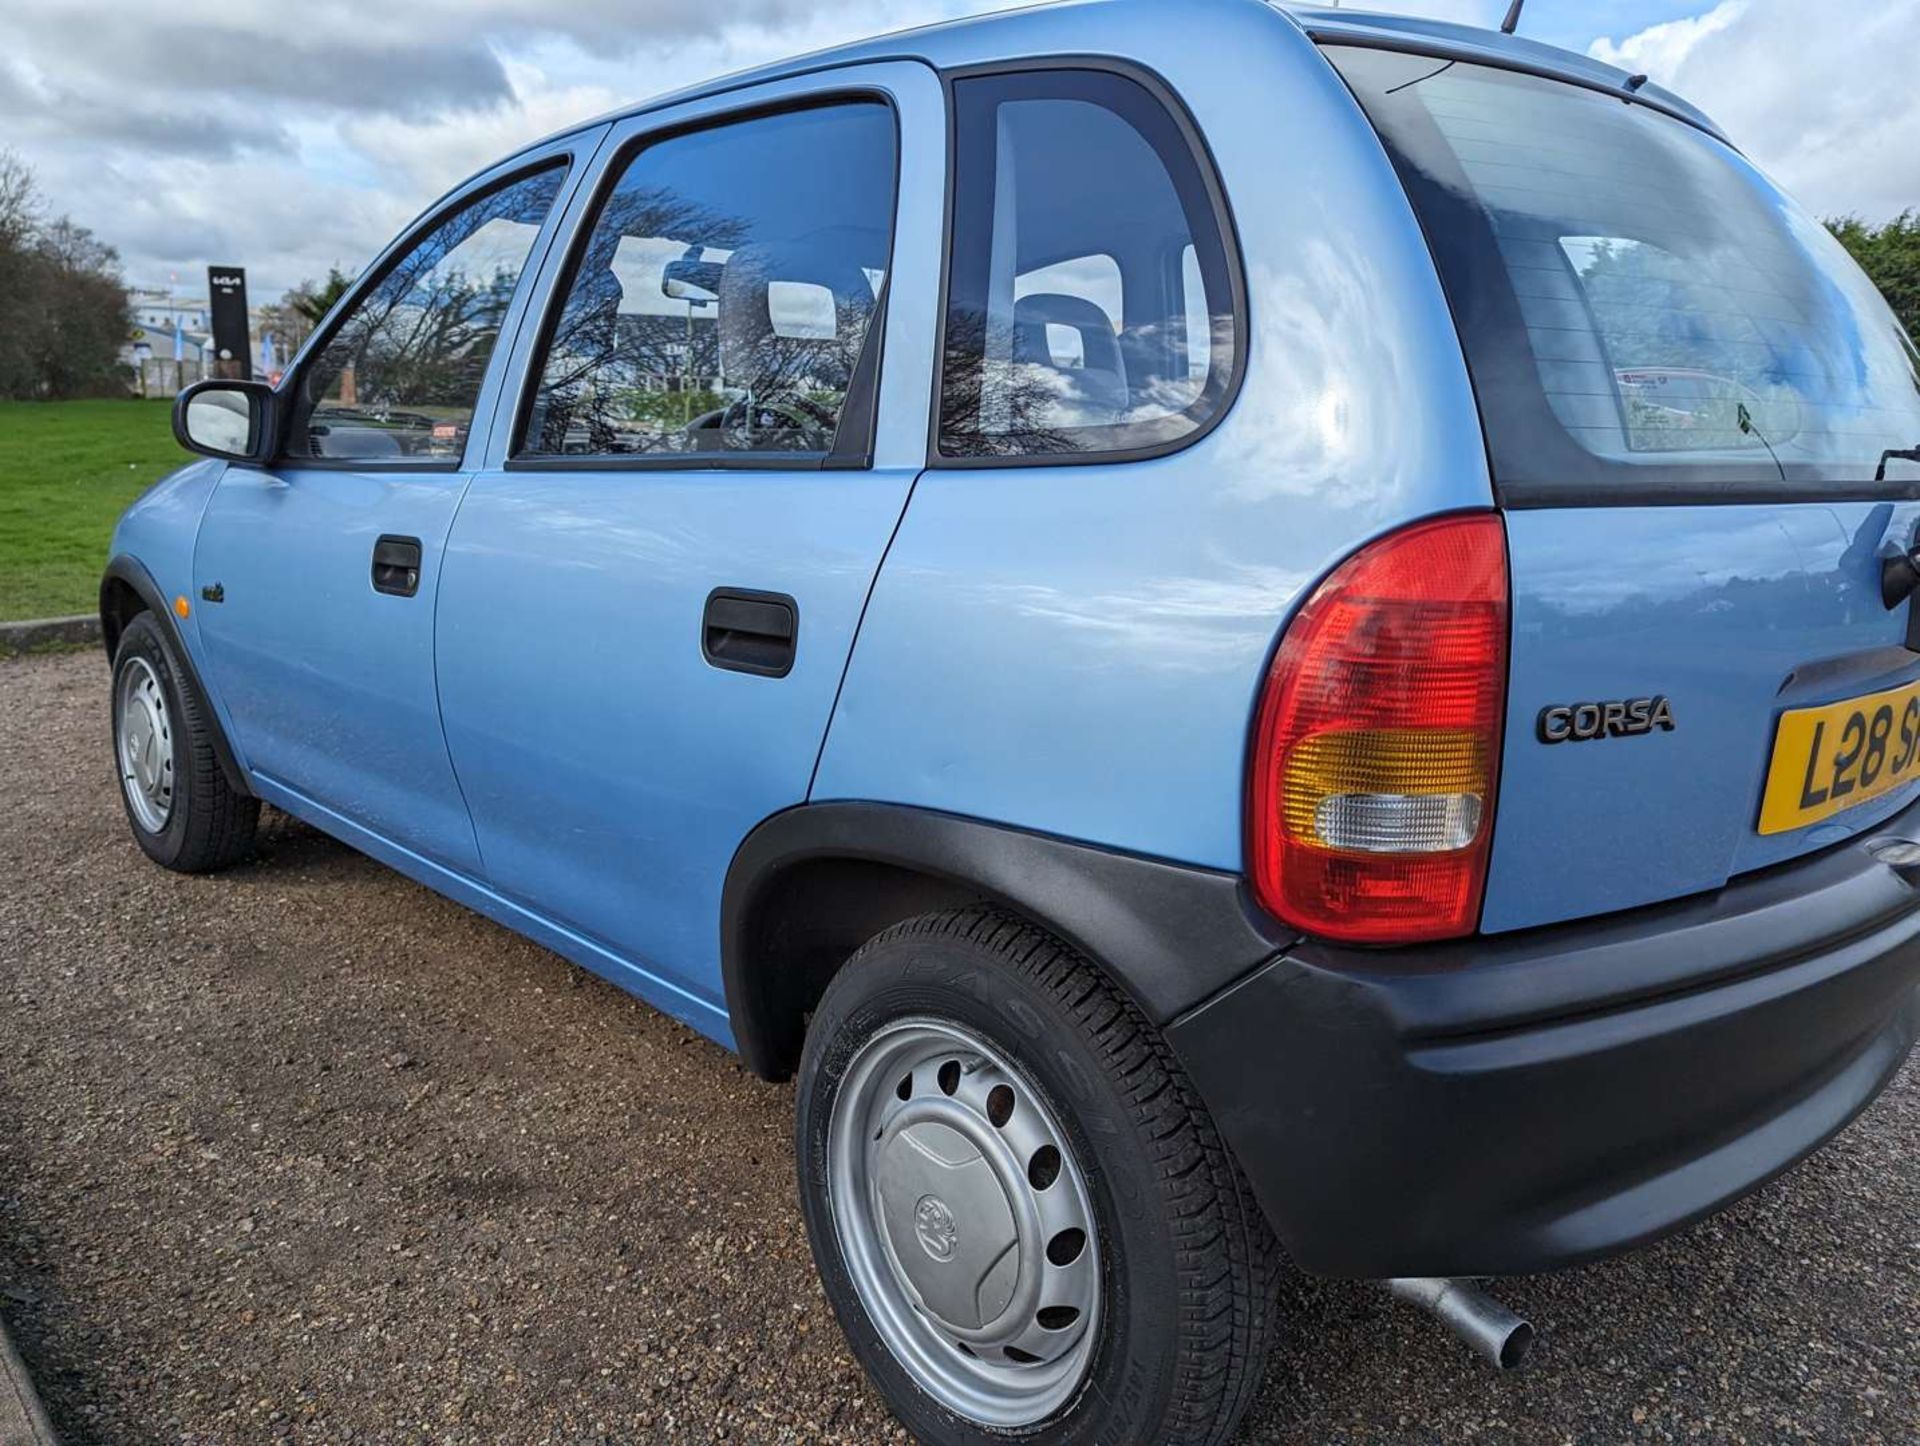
pixel 750 632
pixel 396 566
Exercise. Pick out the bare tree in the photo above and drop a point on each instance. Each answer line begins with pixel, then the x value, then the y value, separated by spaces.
pixel 992 406
pixel 63 309
pixel 19 200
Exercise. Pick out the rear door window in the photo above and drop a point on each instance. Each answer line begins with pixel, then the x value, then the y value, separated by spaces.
pixel 1090 294
pixel 1644 313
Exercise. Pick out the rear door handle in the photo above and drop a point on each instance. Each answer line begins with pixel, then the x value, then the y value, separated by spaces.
pixel 396 566
pixel 750 632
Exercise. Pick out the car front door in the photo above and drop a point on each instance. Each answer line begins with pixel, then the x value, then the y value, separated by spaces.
pixel 317 574
pixel 653 583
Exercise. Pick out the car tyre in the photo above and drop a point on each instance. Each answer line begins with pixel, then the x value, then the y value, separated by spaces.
pixel 902 1155
pixel 184 814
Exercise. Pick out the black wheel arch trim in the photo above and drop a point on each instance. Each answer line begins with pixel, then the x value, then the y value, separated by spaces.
pixel 132 573
pixel 1170 934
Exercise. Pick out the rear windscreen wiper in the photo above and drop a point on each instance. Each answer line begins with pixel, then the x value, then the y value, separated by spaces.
pixel 1911 454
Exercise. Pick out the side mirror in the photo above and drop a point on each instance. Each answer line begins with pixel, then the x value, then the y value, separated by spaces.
pixel 228 420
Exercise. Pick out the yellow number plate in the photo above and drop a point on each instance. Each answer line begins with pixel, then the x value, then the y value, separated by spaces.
pixel 1829 759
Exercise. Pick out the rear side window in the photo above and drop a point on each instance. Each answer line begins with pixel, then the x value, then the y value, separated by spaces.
pixel 1644 313
pixel 1090 294
pixel 397 380
pixel 725 292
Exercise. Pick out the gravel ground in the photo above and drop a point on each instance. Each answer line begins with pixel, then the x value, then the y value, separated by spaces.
pixel 306 1151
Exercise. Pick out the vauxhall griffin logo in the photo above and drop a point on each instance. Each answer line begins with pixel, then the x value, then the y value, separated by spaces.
pixel 934 1224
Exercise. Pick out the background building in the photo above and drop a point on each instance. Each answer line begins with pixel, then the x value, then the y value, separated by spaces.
pixel 169 339
pixel 156 314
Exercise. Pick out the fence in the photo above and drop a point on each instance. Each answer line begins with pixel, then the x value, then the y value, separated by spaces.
pixel 157 376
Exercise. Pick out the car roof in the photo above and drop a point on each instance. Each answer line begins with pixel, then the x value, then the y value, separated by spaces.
pixel 1024 31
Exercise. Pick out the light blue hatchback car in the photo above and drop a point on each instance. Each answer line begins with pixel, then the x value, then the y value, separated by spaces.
pixel 1240 634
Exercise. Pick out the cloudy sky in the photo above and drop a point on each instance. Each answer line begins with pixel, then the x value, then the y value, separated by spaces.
pixel 285 137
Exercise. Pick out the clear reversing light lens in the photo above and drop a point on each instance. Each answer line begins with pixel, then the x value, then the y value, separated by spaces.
pixel 1397 823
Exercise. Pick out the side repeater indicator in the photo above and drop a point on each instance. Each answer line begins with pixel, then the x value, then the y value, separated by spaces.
pixel 1585 722
pixel 181 607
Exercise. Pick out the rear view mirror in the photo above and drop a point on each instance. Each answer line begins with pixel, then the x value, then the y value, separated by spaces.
pixel 228 420
pixel 692 280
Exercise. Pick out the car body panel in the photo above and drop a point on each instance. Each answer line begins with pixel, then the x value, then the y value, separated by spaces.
pixel 160 524
pixel 1734 614
pixel 578 594
pixel 1077 650
pixel 329 686
pixel 158 531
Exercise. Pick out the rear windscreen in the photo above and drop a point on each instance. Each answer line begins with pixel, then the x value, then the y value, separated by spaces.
pixel 1644 313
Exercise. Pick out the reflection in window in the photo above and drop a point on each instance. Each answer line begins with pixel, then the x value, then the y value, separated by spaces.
pixel 1199 327
pixel 1639 305
pixel 1685 347
pixel 725 291
pixel 398 380
pixel 1088 307
pixel 1094 279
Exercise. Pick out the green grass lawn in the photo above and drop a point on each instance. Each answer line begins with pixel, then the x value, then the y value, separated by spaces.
pixel 67 470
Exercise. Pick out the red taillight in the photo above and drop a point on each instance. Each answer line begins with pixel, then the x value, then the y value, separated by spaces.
pixel 1378 743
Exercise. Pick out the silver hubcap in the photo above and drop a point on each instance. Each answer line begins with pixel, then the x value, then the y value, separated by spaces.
pixel 145 737
pixel 965 1224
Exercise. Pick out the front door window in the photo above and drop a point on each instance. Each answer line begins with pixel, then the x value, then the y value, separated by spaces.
pixel 397 380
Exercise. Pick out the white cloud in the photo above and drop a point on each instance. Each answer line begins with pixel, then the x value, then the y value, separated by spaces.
pixel 1823 99
pixel 287 139
pixel 427 157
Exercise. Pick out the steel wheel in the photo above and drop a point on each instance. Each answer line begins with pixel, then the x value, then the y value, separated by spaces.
pixel 965 1223
pixel 144 737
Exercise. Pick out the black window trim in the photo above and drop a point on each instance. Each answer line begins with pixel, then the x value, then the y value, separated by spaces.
pixel 1204 163
pixel 288 393
pixel 863 390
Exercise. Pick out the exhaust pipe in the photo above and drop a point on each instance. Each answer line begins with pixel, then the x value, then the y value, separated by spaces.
pixel 1495 1333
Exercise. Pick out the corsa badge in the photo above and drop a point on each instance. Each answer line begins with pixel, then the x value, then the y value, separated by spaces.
pixel 1584 722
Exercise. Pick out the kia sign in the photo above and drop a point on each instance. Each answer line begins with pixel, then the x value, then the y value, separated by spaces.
pixel 232 346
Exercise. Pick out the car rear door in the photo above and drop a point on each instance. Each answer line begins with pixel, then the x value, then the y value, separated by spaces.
pixel 1689 392
pixel 654 581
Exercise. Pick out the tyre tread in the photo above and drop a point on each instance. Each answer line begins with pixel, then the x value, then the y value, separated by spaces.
pixel 220 821
pixel 1228 1261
